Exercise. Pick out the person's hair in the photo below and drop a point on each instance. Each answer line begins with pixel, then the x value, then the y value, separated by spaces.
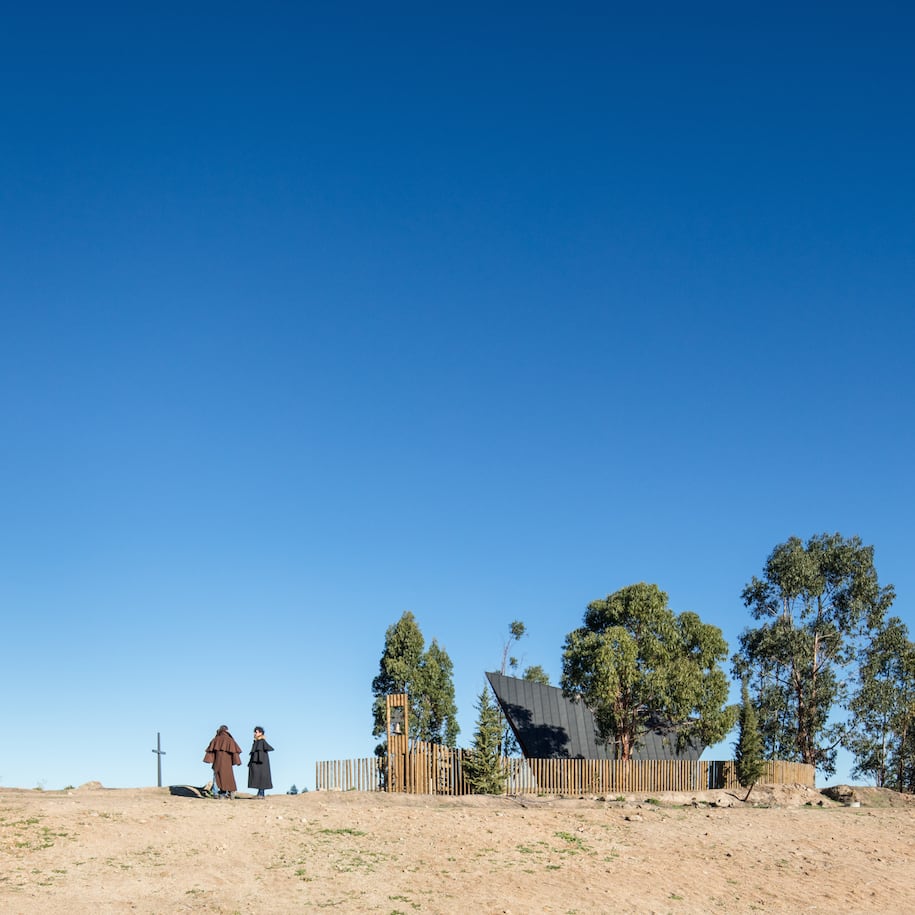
pixel 256 728
pixel 222 727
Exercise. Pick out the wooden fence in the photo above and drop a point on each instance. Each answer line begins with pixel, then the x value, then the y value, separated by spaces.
pixel 434 769
pixel 576 777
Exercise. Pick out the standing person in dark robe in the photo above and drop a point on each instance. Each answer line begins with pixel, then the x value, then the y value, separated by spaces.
pixel 223 753
pixel 259 764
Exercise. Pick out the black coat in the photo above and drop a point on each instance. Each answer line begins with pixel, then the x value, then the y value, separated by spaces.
pixel 259 765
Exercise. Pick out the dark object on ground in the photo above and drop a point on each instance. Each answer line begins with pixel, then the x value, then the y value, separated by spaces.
pixel 187 791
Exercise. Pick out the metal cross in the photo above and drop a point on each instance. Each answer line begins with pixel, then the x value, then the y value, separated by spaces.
pixel 159 754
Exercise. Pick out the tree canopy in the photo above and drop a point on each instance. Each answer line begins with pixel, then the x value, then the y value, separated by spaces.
pixel 816 601
pixel 882 727
pixel 536 674
pixel 425 675
pixel 636 663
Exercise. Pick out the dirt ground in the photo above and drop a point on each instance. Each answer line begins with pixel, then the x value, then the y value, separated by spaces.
pixel 789 849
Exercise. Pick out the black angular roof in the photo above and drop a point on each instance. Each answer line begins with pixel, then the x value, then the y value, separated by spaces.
pixel 550 726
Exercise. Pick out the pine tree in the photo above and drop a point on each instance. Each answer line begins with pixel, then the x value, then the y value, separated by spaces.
pixel 483 765
pixel 749 747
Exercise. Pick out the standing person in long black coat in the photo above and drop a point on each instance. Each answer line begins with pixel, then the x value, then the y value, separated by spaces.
pixel 259 764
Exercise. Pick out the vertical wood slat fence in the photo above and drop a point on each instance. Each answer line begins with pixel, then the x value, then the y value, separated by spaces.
pixel 365 774
pixel 434 769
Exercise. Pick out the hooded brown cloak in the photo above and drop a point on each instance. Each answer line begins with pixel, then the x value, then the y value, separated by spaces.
pixel 223 753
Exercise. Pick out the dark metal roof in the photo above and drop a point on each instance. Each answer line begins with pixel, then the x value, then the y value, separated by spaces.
pixel 550 726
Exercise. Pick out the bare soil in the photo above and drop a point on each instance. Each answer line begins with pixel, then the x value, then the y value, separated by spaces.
pixel 788 849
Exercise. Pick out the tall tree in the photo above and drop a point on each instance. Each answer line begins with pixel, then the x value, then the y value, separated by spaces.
pixel 484 763
pixel 508 745
pixel 436 706
pixel 636 663
pixel 516 631
pixel 748 751
pixel 882 724
pixel 817 602
pixel 406 667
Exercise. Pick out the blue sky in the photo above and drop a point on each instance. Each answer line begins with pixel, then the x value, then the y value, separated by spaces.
pixel 310 316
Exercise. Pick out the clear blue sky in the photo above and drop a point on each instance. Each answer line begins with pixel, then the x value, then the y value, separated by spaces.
pixel 312 315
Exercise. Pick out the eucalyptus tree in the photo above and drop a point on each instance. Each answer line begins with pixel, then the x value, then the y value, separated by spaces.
pixel 435 706
pixel 536 674
pixel 516 631
pixel 635 664
pixel 882 723
pixel 406 666
pixel 817 604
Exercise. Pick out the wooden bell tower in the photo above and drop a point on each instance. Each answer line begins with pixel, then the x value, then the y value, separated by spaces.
pixel 398 712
